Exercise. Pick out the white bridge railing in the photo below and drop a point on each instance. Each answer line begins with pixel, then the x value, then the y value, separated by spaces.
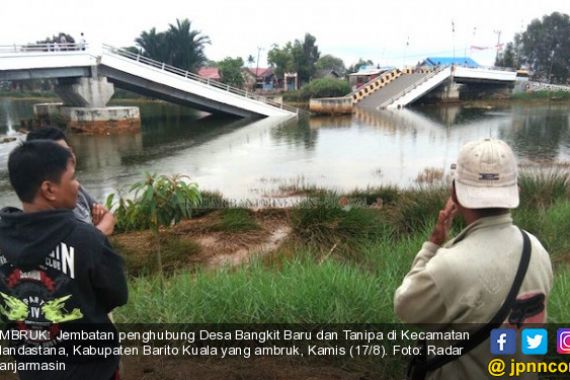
pixel 413 86
pixel 190 75
pixel 79 48
pixel 43 48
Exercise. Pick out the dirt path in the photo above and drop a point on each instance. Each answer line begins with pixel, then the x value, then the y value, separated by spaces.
pixel 200 243
pixel 243 255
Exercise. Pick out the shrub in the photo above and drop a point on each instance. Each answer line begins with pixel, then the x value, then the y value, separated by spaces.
pixel 210 201
pixel 320 88
pixel 158 201
pixel 387 195
pixel 325 224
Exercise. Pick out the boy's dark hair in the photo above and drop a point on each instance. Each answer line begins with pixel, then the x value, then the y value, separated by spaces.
pixel 34 162
pixel 47 133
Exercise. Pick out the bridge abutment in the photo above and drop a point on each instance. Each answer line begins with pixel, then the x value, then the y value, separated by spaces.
pixel 84 107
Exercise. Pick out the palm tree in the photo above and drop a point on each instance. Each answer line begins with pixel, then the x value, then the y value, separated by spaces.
pixel 153 45
pixel 250 60
pixel 186 46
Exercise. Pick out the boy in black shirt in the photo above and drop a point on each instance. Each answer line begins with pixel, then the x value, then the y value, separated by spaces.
pixel 57 274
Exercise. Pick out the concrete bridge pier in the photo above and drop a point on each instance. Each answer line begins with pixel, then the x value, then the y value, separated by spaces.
pixel 85 92
pixel 448 92
pixel 84 107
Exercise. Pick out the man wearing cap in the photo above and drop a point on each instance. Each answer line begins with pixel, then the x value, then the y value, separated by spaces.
pixel 467 279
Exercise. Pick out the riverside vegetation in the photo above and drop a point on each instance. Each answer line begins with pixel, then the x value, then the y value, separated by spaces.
pixel 341 262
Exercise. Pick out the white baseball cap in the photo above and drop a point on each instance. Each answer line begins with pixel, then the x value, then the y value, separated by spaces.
pixel 486 175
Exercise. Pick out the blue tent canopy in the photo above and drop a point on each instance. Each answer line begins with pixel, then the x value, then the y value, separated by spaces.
pixel 446 61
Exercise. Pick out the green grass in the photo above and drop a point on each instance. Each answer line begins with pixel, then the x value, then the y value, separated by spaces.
pixel 540 189
pixel 27 94
pixel 325 224
pixel 330 292
pixel 542 95
pixel 559 302
pixel 309 281
pixel 301 289
pixel 236 220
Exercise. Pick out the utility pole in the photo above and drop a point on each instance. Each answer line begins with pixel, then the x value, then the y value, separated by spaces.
pixel 259 48
pixel 498 33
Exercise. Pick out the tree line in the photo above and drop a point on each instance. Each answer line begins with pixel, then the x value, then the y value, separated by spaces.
pixel 183 47
pixel 544 47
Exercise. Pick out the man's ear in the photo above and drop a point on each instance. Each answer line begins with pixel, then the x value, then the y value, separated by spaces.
pixel 47 190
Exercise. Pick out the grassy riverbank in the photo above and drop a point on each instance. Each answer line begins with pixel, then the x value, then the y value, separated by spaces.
pixel 543 95
pixel 343 259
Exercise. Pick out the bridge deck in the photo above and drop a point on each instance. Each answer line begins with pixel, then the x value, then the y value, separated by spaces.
pixel 138 74
pixel 408 87
pixel 382 96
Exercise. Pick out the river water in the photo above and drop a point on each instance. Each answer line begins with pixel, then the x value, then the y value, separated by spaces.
pixel 252 160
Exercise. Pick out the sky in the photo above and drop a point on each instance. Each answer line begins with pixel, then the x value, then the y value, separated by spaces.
pixel 392 33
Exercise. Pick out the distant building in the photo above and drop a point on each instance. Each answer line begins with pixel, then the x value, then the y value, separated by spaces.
pixel 263 78
pixel 365 75
pixel 209 73
pixel 290 81
pixel 327 73
pixel 448 61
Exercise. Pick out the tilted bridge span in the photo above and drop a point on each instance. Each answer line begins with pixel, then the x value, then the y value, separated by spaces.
pixel 86 78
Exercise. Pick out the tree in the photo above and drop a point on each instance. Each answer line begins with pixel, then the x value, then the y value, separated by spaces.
pixel 545 47
pixel 179 46
pixel 158 201
pixel 250 60
pixel 361 62
pixel 305 56
pixel 330 62
pixel 281 59
pixel 231 71
pixel 186 46
pixel 508 58
pixel 153 45
pixel 132 49
pixel 299 57
pixel 57 38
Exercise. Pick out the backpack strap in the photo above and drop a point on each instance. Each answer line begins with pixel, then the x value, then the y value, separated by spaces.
pixel 483 333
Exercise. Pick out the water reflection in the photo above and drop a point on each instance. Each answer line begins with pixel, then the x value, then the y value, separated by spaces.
pixel 296 133
pixel 540 134
pixel 253 159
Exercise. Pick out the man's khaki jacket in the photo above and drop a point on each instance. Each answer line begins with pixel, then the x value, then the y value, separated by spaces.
pixel 467 281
